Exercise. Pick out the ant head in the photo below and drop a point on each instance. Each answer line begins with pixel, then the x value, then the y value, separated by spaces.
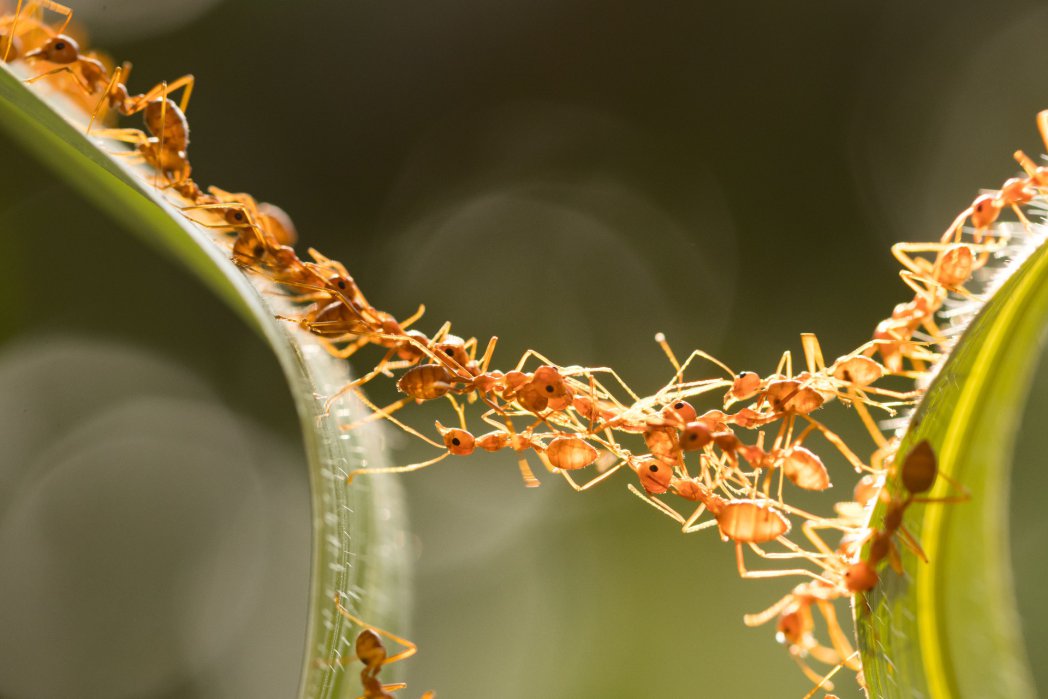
pixel 248 251
pixel 860 577
pixel 985 209
pixel 919 469
pixel 341 284
pixel 459 442
pixel 58 49
pixel 654 475
pixel 696 435
pixel 455 348
pixel 679 413
pixel 790 628
pixel 746 385
pixel 548 380
pixel 235 216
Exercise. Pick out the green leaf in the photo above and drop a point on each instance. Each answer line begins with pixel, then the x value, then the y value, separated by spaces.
pixel 356 531
pixel 949 628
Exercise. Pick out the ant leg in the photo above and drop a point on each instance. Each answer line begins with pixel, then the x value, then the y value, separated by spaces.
pixel 485 361
pixel 911 543
pixel 1042 126
pixel 118 73
pixel 680 368
pixel 395 469
pixel 386 413
pixel 824 682
pixel 321 259
pixel 796 654
pixel 594 481
pixel 812 353
pixel 699 354
pixel 380 368
pixel 689 525
pixel 526 473
pixel 809 528
pixel 660 338
pixel 785 365
pixel 955 228
pixel 835 439
pixel 758 574
pixel 837 636
pixel 409 648
pixel 918 265
pixel 13 33
pixel 134 136
pixel 413 318
pixel 867 420
pixel 248 214
pixel 763 617
pixel 964 496
pixel 657 504
pixel 795 551
pixel 163 90
pixel 56 71
pixel 57 9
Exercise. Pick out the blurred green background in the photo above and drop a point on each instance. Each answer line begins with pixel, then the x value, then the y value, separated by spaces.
pixel 572 177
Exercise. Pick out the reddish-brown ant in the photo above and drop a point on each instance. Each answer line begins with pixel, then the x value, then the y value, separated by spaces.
pixel 370 651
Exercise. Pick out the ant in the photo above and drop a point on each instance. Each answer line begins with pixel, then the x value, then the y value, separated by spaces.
pixel 461 442
pixel 370 650
pixel 795 627
pixel 918 473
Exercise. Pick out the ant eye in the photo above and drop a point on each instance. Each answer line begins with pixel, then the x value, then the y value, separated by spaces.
pixel 456 441
pixel 653 468
pixel 238 216
pixel 259 250
pixel 60 46
pixel 679 406
pixel 549 389
pixel 341 284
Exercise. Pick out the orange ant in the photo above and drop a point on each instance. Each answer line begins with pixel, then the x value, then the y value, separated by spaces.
pixel 166 147
pixel 241 211
pixel 370 650
pixel 795 626
pixel 918 473
pixel 460 442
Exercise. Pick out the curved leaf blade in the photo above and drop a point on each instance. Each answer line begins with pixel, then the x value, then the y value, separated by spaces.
pixel 950 628
pixel 356 549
